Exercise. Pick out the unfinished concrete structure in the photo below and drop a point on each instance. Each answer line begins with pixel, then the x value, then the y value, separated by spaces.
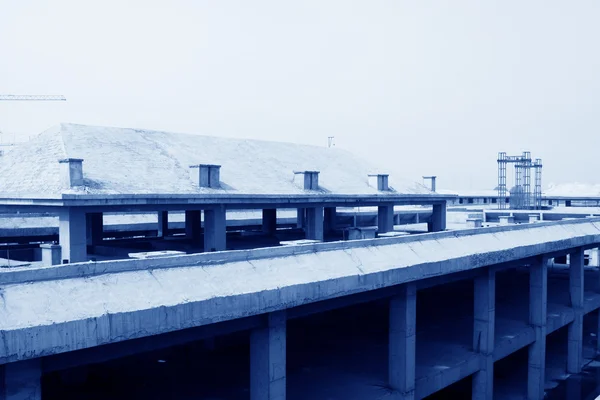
pixel 49 322
pixel 81 172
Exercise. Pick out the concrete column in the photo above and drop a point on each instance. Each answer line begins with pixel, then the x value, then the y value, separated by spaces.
pixel 483 333
pixel 538 301
pixel 576 285
pixel 269 221
pixel 268 359
pixel 22 380
pixel 193 227
pixel 72 234
pixel 94 228
pixel 314 223
pixel 163 224
pixel 438 218
pixel 330 221
pixel 385 219
pixel 402 343
pixel 300 218
pixel 51 254
pixel 215 229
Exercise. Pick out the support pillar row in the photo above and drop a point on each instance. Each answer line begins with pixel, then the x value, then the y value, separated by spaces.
pixel 269 221
pixel 402 342
pixel 215 229
pixel 538 302
pixel 72 234
pixel 268 359
pixel 438 218
pixel 484 333
pixel 163 224
pixel 575 328
pixel 314 223
pixel 385 219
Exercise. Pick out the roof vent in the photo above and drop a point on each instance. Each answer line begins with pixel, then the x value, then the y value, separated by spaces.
pixel 311 179
pixel 71 172
pixel 207 176
pixel 382 181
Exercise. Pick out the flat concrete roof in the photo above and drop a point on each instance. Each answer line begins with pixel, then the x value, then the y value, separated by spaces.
pixel 56 309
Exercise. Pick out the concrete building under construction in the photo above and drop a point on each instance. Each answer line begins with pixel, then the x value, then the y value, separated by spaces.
pixel 484 313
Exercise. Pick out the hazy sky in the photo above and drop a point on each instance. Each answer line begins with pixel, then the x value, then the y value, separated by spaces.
pixel 419 87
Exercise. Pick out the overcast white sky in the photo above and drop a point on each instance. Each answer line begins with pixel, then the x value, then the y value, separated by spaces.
pixel 420 87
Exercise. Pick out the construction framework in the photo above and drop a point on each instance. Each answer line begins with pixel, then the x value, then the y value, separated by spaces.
pixel 522 196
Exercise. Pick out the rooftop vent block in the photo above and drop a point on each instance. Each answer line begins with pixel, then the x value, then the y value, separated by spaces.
pixel 382 181
pixel 207 176
pixel 71 171
pixel 311 179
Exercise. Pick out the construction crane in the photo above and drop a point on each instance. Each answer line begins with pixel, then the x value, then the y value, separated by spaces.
pixel 32 97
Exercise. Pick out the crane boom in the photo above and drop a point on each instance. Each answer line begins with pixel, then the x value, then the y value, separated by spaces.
pixel 34 97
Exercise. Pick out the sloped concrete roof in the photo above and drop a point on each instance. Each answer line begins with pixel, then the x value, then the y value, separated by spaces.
pixel 120 161
pixel 155 296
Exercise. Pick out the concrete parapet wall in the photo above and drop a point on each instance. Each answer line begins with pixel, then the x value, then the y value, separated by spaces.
pixel 57 311
pixel 85 269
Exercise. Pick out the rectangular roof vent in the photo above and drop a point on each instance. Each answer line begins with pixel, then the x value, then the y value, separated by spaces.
pixel 71 172
pixel 207 176
pixel 311 179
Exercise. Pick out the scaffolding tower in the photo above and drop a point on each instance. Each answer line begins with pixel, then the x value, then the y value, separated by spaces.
pixel 521 196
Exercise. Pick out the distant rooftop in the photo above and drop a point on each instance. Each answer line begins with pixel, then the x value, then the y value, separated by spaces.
pixel 119 161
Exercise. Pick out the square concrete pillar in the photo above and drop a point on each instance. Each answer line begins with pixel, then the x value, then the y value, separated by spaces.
pixel 314 223
pixel 22 380
pixel 269 221
pixel 538 303
pixel 193 224
pixel 385 218
pixel 438 218
pixel 300 218
pixel 72 234
pixel 51 254
pixel 163 224
pixel 330 221
pixel 215 229
pixel 268 359
pixel 483 333
pixel 575 328
pixel 94 228
pixel 402 342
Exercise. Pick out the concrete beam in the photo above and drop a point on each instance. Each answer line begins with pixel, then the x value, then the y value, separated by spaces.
pixel 269 221
pixel 484 334
pixel 402 342
pixel 538 303
pixel 94 228
pixel 22 380
pixel 385 218
pixel 193 224
pixel 215 232
pixel 72 234
pixel 163 224
pixel 314 223
pixel 268 359
pixel 575 329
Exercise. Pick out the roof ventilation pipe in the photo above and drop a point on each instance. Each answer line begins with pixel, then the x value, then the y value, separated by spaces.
pixel 382 181
pixel 207 175
pixel 71 172
pixel 311 179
